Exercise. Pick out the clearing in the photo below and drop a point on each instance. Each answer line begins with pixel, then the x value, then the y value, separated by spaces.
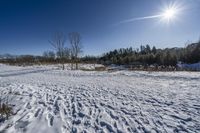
pixel 45 99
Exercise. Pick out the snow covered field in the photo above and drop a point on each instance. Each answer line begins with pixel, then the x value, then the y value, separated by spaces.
pixel 49 100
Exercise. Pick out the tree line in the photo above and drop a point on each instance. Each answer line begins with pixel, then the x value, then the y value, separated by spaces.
pixel 62 52
pixel 70 52
pixel 145 55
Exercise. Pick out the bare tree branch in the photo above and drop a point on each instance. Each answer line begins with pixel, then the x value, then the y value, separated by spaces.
pixel 76 47
pixel 58 43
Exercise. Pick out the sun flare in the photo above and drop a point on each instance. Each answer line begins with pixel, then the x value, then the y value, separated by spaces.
pixel 169 14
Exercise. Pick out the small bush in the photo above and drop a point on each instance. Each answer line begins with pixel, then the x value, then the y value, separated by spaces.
pixel 5 111
pixel 85 69
pixel 100 68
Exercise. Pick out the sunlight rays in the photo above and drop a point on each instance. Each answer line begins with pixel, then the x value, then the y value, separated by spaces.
pixel 168 14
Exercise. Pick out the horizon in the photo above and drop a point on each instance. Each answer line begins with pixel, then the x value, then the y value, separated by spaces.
pixel 101 54
pixel 26 26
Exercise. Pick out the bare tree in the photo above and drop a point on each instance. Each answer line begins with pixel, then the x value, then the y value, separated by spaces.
pixel 76 47
pixel 49 54
pixel 58 42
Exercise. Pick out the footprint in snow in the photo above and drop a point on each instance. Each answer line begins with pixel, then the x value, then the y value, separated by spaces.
pixel 50 118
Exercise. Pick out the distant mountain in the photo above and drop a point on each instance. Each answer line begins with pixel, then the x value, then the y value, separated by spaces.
pixel 7 56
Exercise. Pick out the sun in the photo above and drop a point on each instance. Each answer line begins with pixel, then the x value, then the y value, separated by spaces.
pixel 169 14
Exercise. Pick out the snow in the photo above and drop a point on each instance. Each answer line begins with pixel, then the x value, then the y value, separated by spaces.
pixel 47 99
pixel 194 66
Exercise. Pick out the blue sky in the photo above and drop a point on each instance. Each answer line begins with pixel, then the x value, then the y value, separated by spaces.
pixel 27 25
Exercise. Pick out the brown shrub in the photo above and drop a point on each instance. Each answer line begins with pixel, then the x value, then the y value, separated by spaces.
pixel 5 110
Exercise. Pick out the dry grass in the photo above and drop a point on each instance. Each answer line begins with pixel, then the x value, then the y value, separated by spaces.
pixel 5 111
pixel 95 69
pixel 85 69
pixel 100 68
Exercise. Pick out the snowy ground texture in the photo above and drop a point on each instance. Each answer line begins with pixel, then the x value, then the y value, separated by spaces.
pixel 48 100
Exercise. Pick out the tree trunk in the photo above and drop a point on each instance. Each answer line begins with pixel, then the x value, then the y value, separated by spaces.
pixel 72 65
pixel 76 65
pixel 63 63
pixel 63 67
